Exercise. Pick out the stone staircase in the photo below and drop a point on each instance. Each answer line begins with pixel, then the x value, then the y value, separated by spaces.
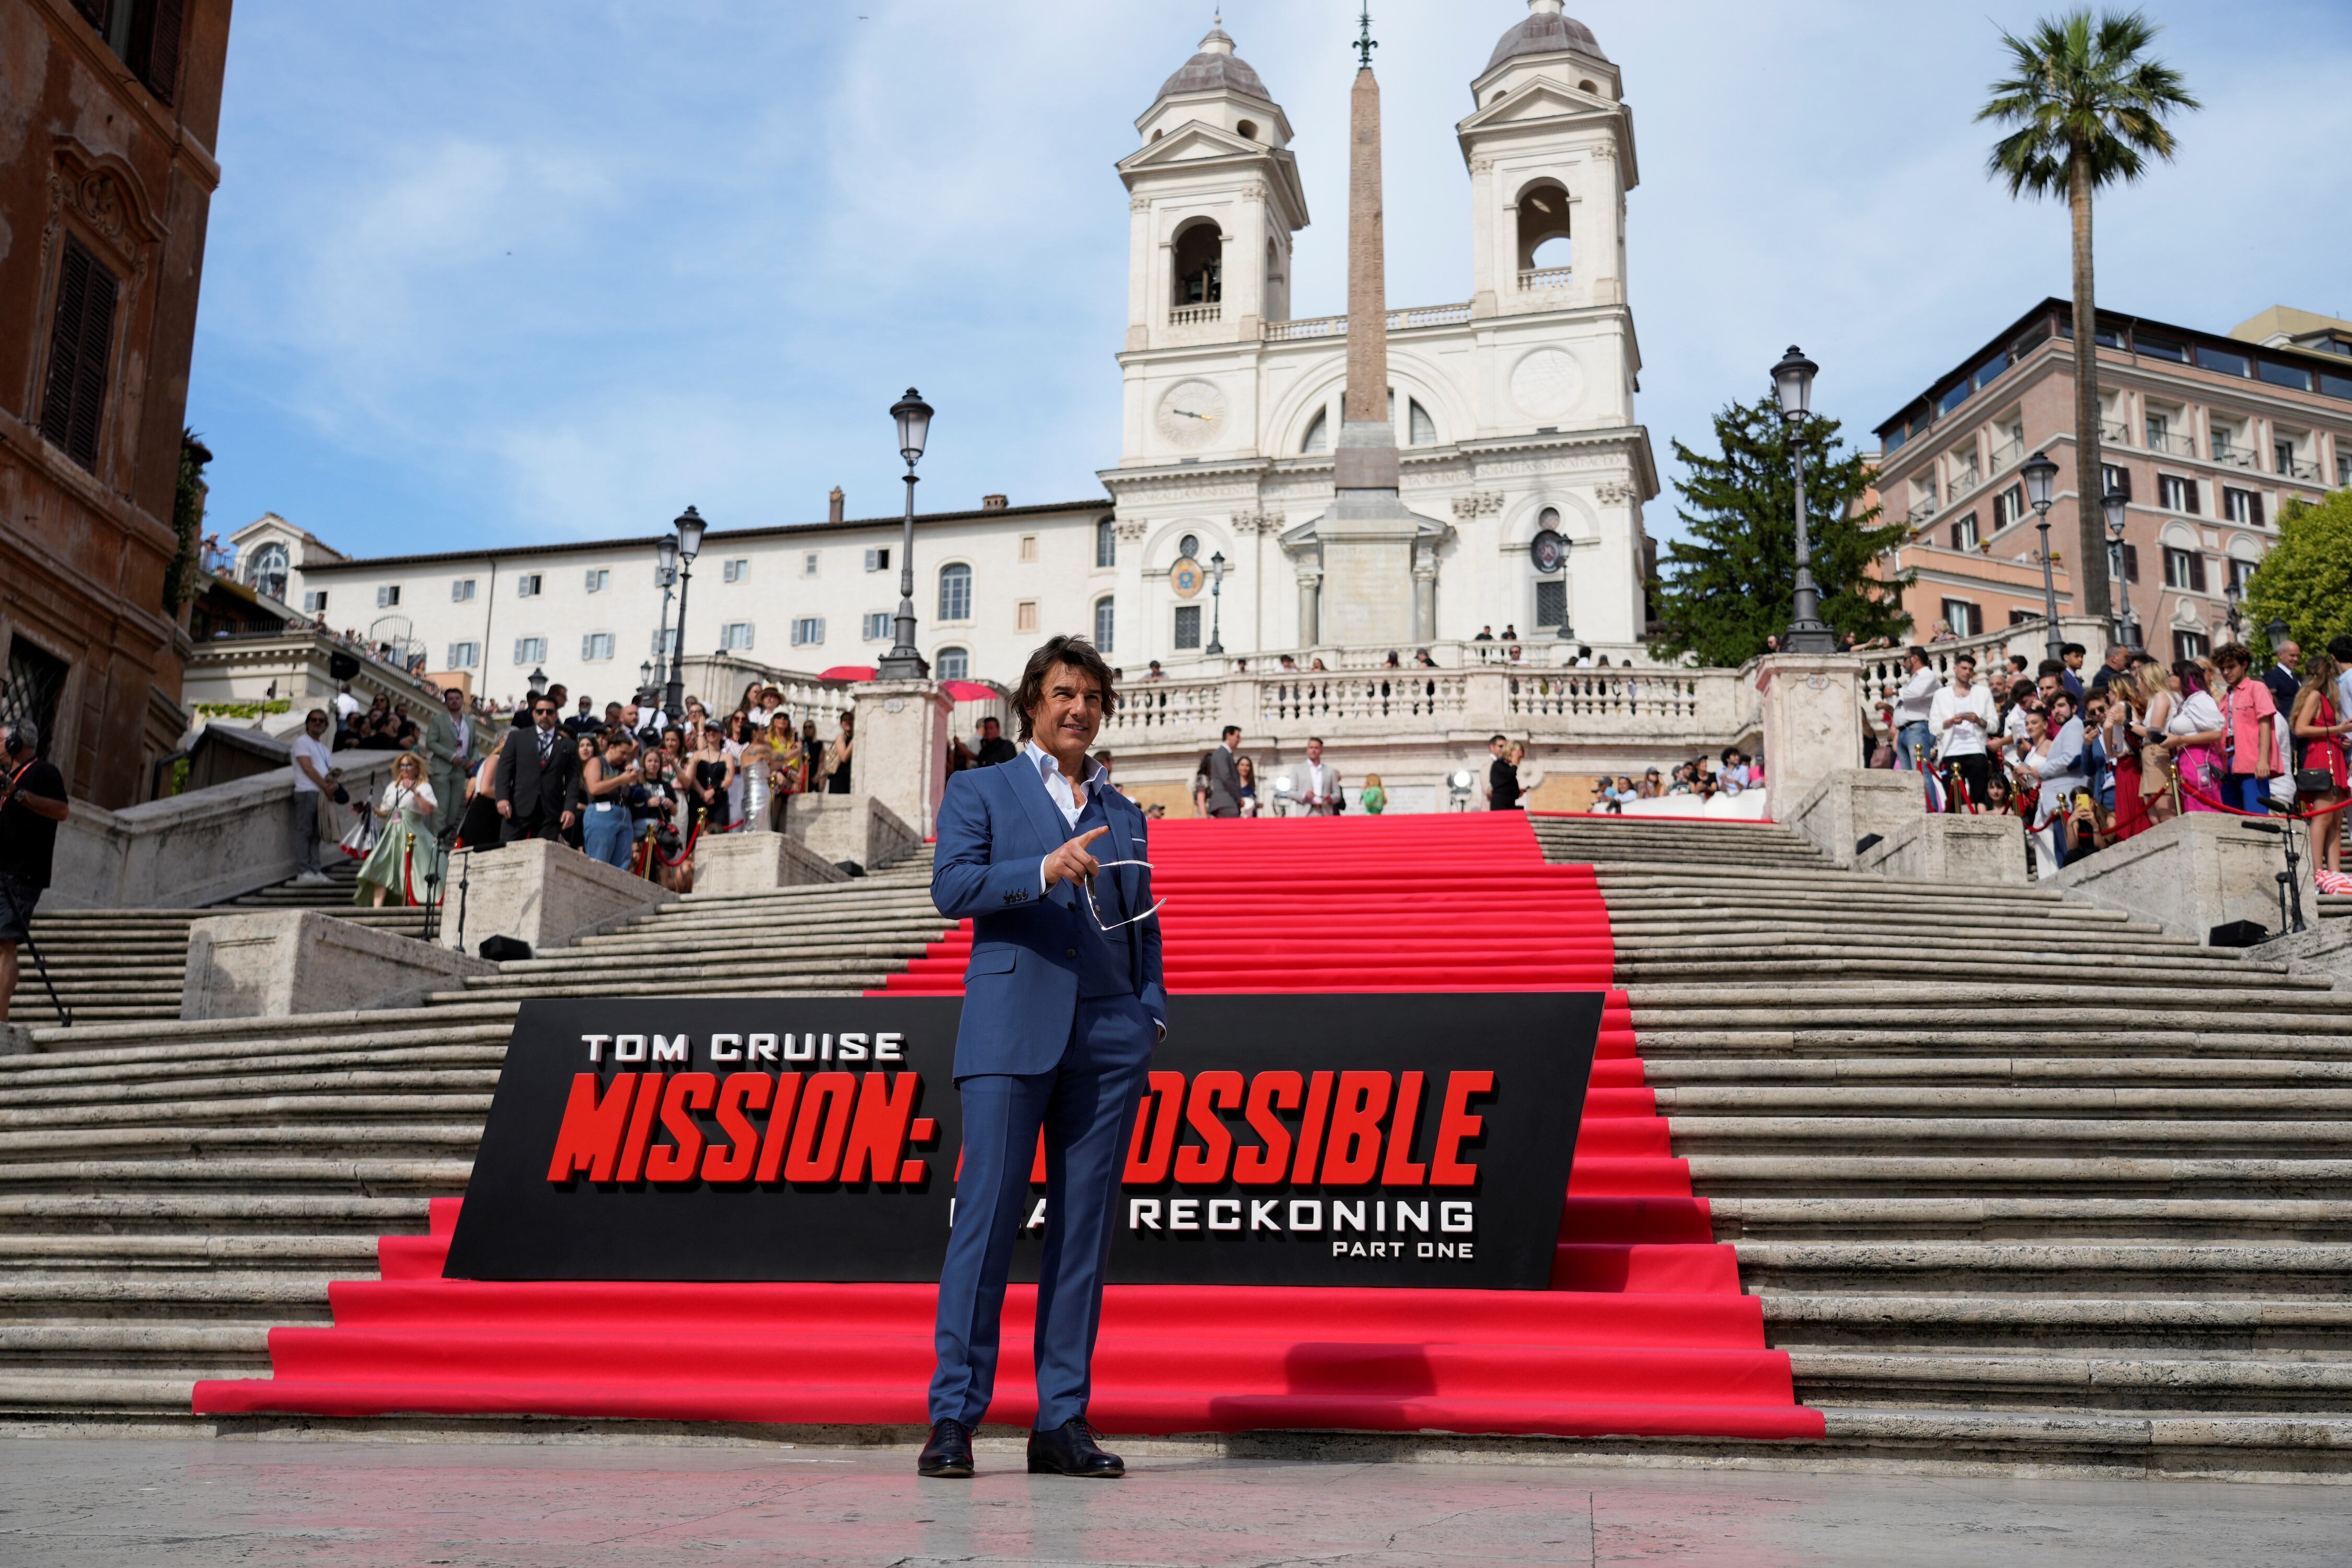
pixel 2017 1180
pixel 118 965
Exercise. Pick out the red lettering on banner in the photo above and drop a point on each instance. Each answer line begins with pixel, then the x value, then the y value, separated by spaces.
pixel 1454 1125
pixel 1212 1092
pixel 1399 1170
pixel 780 1128
pixel 822 1128
pixel 1153 1144
pixel 1268 1092
pixel 1036 1161
pixel 641 1128
pixel 877 1135
pixel 675 1161
pixel 731 1161
pixel 1355 1148
pixel 591 1134
pixel 1310 1129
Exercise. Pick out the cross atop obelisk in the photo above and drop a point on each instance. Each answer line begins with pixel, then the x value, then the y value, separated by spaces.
pixel 1367 399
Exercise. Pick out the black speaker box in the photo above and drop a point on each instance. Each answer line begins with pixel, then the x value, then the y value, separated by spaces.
pixel 2238 933
pixel 504 949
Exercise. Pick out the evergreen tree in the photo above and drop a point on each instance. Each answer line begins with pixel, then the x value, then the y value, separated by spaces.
pixel 1734 582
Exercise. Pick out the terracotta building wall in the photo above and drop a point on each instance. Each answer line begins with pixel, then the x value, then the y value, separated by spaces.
pixel 108 114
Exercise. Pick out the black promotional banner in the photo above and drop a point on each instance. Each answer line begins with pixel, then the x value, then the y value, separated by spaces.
pixel 1420 1140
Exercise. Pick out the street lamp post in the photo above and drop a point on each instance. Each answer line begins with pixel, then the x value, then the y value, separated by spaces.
pixel 689 526
pixel 2127 629
pixel 903 662
pixel 2232 593
pixel 2040 475
pixel 1216 608
pixel 665 579
pixel 1792 379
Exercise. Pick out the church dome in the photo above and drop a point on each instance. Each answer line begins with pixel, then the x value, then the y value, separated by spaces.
pixel 1216 69
pixel 1546 32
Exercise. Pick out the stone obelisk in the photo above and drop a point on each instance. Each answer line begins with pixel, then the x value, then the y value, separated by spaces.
pixel 1367 540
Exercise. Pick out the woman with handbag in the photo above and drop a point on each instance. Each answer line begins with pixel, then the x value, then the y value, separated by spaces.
pixel 480 830
pixel 2193 736
pixel 2322 781
pixel 2152 696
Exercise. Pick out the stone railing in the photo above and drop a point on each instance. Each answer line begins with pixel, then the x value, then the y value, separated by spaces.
pixel 1535 277
pixel 718 680
pixel 1193 315
pixel 1544 652
pixel 1337 326
pixel 1882 673
pixel 296 667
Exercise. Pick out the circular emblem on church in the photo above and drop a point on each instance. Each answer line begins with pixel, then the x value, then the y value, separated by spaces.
pixel 1547 381
pixel 1186 577
pixel 1548 550
pixel 1192 413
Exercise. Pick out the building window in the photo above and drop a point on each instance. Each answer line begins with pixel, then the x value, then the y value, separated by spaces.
pixel 1421 430
pixel 596 647
pixel 2176 494
pixel 2343 470
pixel 2191 645
pixel 599 579
pixel 876 626
pixel 1963 617
pixel 808 564
pixel 1964 533
pixel 2184 569
pixel 1200 252
pixel 1551 603
pixel 314 602
pixel 955 592
pixel 387 596
pixel 664 642
pixel 530 650
pixel 879 559
pixel 1028 547
pixel 735 636
pixel 529 586
pixel 1106 545
pixel 2222 362
pixel 2019 617
pixel 2131 562
pixel 1189 547
pixel 266 573
pixel 461 590
pixel 736 569
pixel 1024 616
pixel 2115 479
pixel 1105 625
pixel 1318 432
pixel 2242 572
pixel 2243 507
pixel 808 631
pixel 81 333
pixel 1188 627
pixel 953 664
pixel 464 655
pixel 2008 508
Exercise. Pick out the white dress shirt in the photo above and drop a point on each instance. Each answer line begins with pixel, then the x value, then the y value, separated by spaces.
pixel 1057 787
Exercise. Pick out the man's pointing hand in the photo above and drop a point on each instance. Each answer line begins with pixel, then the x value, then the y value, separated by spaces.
pixel 1071 863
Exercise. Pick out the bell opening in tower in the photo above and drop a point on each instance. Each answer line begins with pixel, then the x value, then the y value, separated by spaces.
pixel 1199 261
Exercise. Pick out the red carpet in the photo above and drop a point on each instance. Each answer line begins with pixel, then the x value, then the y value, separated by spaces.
pixel 1645 1331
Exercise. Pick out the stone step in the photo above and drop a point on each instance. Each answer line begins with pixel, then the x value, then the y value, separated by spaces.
pixel 2112 1270
pixel 139 1215
pixel 2023 1137
pixel 1904 1106
pixel 354 1140
pixel 2304 1327
pixel 1685 1042
pixel 1849 1218
pixel 2043 1174
pixel 239 1174
pixel 273 1107
pixel 1686 1073
pixel 2079 1382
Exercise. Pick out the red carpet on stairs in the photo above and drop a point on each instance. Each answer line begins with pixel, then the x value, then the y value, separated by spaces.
pixel 1645 1331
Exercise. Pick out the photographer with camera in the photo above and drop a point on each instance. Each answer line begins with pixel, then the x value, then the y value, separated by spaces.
pixel 32 804
pixel 609 828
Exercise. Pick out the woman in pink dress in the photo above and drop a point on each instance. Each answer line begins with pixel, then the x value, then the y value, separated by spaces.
pixel 2193 735
pixel 2320 729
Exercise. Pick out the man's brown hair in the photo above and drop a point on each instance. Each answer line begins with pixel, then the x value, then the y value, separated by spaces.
pixel 2233 653
pixel 1079 655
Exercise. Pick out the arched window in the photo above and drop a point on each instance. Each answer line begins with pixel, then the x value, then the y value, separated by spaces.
pixel 955 592
pixel 1105 625
pixel 952 664
pixel 1544 243
pixel 1189 547
pixel 1106 545
pixel 1424 429
pixel 1318 432
pixel 1200 264
pixel 267 574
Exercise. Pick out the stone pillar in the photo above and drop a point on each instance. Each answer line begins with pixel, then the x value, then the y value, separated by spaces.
pixel 1812 720
pixel 273 964
pixel 902 755
pixel 540 893
pixel 1847 805
pixel 1424 598
pixel 1310 593
pixel 761 862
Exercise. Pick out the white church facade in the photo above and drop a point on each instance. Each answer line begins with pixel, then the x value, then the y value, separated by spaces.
pixel 1513 408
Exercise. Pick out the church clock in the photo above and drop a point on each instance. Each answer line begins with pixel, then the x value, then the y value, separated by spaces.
pixel 1192 413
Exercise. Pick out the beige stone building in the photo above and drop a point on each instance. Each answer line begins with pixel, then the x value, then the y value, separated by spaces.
pixel 2208 434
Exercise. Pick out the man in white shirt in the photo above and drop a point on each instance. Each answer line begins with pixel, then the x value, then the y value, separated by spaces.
pixel 1960 718
pixel 1913 735
pixel 314 774
pixel 1319 783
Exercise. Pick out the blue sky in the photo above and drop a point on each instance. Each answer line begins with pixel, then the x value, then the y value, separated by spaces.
pixel 554 268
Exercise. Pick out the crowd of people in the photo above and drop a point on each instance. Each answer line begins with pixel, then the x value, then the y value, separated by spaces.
pixel 2087 763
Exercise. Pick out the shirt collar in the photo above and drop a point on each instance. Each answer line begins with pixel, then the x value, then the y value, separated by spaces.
pixel 1049 767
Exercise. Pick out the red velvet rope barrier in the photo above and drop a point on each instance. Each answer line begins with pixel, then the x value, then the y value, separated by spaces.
pixel 2289 815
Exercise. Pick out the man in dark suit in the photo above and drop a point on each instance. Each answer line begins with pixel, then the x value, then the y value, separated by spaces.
pixel 2284 684
pixel 537 785
pixel 1224 773
pixel 1063 1005
pixel 993 747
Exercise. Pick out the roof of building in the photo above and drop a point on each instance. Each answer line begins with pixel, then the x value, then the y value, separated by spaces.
pixel 1546 32
pixel 1216 69
pixel 2286 322
pixel 717 535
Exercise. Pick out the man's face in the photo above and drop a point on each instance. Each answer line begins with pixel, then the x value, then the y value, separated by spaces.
pixel 2289 655
pixel 2072 660
pixel 1964 671
pixel 629 715
pixel 989 729
pixel 2118 657
pixel 1314 751
pixel 2061 707
pixel 2049 686
pixel 316 724
pixel 1913 663
pixel 456 700
pixel 1069 711
pixel 542 713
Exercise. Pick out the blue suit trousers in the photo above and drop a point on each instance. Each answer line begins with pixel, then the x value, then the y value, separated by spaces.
pixel 1087 1107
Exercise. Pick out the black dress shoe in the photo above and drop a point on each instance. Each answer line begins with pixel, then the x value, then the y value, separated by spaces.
pixel 949 1453
pixel 1070 1449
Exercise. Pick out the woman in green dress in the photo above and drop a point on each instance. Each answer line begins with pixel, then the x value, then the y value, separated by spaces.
pixel 403 861
pixel 1372 797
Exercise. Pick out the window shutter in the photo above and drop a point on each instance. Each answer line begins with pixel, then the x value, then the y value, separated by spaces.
pixel 161 70
pixel 74 402
pixel 2189 493
pixel 2196 571
pixel 2255 508
pixel 2131 562
pixel 1956 536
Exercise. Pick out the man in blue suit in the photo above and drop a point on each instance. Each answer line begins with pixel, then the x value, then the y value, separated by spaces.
pixel 1063 1005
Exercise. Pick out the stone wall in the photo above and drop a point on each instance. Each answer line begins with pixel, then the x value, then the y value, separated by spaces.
pixel 2198 871
pixel 838 827
pixel 274 962
pixel 761 862
pixel 1935 848
pixel 1842 807
pixel 541 893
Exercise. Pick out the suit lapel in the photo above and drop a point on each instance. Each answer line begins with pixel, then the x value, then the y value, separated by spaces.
pixel 1045 817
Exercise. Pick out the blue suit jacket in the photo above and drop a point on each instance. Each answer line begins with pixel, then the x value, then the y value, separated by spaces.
pixel 996 825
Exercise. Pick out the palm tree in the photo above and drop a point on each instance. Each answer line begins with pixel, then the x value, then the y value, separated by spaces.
pixel 2088 109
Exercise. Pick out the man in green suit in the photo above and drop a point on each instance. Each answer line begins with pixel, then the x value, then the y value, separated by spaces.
pixel 449 757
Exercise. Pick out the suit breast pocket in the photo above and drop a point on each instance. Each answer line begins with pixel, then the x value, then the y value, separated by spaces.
pixel 991 961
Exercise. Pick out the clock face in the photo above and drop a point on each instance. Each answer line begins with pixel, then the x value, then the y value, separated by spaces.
pixel 1192 414
pixel 1548 382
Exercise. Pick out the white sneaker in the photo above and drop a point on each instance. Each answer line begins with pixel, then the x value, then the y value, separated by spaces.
pixel 312 880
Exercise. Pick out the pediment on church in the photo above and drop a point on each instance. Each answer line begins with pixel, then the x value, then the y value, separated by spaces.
pixel 1426 528
pixel 1536 100
pixel 1192 141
